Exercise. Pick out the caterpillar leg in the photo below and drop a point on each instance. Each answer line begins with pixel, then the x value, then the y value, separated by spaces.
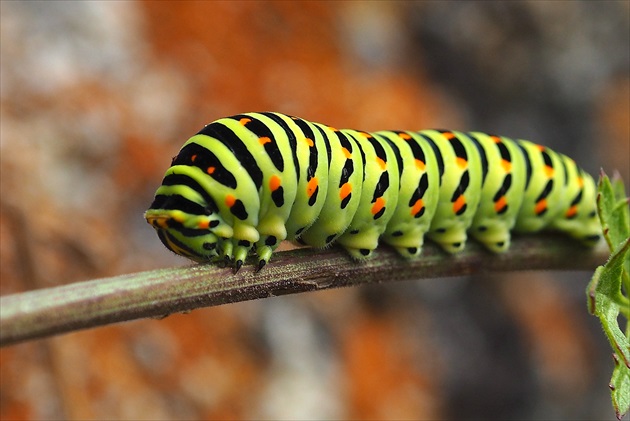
pixel 452 240
pixel 265 248
pixel 407 239
pixel 495 237
pixel 360 243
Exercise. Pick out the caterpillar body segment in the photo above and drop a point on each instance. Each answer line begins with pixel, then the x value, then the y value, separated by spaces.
pixel 245 183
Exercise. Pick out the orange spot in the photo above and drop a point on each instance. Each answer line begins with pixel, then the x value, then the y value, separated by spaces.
pixel 203 224
pixel 274 183
pixel 230 200
pixel 332 128
pixel 346 153
pixel 507 165
pixel 309 142
pixel 192 158
pixel 548 170
pixel 345 190
pixel 378 205
pixel 381 163
pixel 459 203
pixel 420 165
pixel 366 135
pixel 264 140
pixel 541 148
pixel 500 204
pixel 244 121
pixel 495 139
pixel 448 135
pixel 311 186
pixel 580 182
pixel 210 170
pixel 417 207
pixel 571 212
pixel 404 136
pixel 461 163
pixel 541 205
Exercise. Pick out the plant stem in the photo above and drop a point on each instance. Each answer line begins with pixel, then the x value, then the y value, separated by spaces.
pixel 156 293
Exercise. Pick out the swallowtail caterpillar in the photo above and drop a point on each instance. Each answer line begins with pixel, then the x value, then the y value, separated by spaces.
pixel 245 183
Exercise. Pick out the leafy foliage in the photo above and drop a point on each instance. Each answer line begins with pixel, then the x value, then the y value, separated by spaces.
pixel 605 292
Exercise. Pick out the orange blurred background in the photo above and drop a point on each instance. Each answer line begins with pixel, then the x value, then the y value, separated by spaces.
pixel 96 97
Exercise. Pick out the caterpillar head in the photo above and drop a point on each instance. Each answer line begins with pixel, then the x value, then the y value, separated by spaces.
pixel 187 228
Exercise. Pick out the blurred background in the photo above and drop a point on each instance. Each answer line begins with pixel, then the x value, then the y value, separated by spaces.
pixel 96 97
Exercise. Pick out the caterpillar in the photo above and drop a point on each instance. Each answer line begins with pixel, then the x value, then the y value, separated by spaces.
pixel 245 183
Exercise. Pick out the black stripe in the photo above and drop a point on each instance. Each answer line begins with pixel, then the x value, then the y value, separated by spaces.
pixel 505 186
pixel 461 188
pixel 291 137
pixel 546 191
pixel 438 155
pixel 205 158
pixel 312 158
pixel 482 155
pixel 178 202
pixel 174 179
pixel 528 164
pixel 260 129
pixel 226 136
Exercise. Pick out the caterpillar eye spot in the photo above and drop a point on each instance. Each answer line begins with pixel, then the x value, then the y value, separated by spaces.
pixel 315 180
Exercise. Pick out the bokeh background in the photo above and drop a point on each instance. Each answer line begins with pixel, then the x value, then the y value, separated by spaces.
pixel 96 97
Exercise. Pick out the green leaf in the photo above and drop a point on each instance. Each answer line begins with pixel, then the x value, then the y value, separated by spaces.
pixel 620 388
pixel 614 214
pixel 605 294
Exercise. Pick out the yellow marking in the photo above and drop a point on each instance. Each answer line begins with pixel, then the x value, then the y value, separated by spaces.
pixel 274 182
pixel 420 165
pixel 459 203
pixel 500 204
pixel 311 186
pixel 404 136
pixel 346 153
pixel 417 207
pixel 548 171
pixel 345 190
pixel 461 162
pixel 381 163
pixel 507 165
pixel 580 182
pixel 541 205
pixel 378 205
pixel 309 142
pixel 448 135
pixel 365 135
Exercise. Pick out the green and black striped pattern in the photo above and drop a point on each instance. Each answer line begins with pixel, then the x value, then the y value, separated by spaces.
pixel 245 183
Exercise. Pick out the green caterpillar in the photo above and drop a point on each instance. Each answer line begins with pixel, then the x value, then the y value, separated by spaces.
pixel 247 182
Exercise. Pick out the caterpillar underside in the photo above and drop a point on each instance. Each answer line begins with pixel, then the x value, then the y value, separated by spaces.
pixel 245 183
